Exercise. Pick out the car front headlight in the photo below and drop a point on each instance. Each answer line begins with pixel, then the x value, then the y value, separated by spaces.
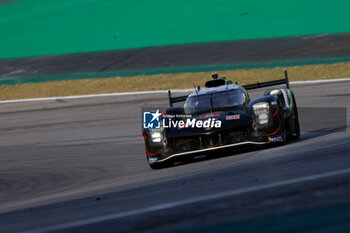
pixel 261 111
pixel 156 136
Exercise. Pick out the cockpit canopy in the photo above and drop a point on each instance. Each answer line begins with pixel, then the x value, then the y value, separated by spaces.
pixel 215 101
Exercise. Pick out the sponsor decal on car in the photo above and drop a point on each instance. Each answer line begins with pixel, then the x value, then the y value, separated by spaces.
pixel 192 123
pixel 276 138
pixel 151 119
pixel 233 117
pixel 214 114
pixel 155 120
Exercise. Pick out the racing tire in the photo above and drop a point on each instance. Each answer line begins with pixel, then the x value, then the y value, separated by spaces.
pixel 296 133
pixel 282 124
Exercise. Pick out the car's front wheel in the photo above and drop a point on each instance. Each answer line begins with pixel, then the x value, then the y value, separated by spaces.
pixel 296 126
pixel 282 123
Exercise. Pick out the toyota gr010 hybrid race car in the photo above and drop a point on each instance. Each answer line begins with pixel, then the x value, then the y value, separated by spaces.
pixel 221 116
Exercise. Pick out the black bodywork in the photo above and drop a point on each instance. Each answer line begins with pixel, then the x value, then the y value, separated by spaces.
pixel 267 119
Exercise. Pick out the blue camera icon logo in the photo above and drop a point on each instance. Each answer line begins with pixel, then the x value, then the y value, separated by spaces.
pixel 151 119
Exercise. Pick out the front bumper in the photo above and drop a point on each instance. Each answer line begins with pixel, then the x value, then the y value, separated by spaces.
pixel 155 159
pixel 173 147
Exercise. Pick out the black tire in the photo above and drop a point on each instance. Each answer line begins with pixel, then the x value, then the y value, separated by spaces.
pixel 296 133
pixel 283 129
pixel 282 122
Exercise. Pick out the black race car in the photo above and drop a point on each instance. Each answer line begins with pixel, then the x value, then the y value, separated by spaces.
pixel 221 116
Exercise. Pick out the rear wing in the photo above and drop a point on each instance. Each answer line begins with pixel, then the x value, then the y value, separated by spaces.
pixel 173 100
pixel 269 83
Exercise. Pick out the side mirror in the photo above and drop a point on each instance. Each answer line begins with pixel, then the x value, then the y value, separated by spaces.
pixel 273 92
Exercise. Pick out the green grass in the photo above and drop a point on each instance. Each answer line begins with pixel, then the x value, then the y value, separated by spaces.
pixel 41 27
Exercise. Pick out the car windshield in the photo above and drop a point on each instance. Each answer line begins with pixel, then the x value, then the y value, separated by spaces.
pixel 198 104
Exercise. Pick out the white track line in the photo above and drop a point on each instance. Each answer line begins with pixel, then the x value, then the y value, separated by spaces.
pixel 150 92
pixel 186 202
pixel 321 81
pixel 98 95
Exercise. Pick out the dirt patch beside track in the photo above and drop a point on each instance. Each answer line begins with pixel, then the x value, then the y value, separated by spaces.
pixel 168 81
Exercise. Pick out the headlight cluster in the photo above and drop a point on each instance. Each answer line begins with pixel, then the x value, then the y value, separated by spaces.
pixel 261 111
pixel 156 136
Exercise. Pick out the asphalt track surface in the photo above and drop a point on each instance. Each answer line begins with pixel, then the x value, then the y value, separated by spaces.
pixel 3 2
pixel 79 166
pixel 186 57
